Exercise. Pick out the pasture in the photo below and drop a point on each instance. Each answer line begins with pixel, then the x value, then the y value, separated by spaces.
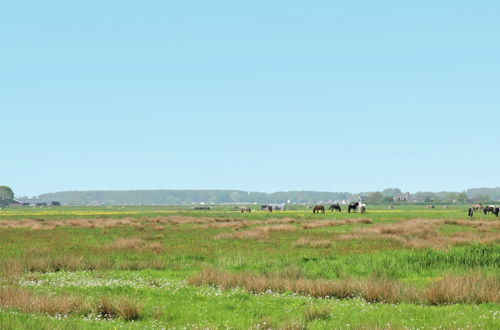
pixel 156 267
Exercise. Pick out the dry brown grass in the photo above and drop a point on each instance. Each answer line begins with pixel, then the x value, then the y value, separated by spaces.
pixel 28 302
pixel 313 243
pixel 276 228
pixel 373 290
pixel 472 288
pixel 135 244
pixel 122 307
pixel 260 232
pixel 157 223
pixel 218 225
pixel 127 244
pixel 25 301
pixel 481 225
pixel 478 288
pixel 332 223
pixel 424 233
pixel 44 262
pixel 277 221
pixel 246 234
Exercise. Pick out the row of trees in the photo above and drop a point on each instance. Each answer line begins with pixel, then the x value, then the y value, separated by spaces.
pixel 385 196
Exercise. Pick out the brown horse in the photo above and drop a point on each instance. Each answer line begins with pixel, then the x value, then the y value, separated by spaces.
pixel 319 208
pixel 335 207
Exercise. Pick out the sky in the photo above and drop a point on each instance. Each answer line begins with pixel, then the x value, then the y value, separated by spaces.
pixel 256 95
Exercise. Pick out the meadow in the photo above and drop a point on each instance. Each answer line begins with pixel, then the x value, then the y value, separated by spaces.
pixel 172 267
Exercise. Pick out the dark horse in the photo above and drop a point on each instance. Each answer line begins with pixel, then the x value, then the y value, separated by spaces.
pixel 319 208
pixel 471 212
pixel 245 209
pixel 497 210
pixel 489 209
pixel 353 206
pixel 336 207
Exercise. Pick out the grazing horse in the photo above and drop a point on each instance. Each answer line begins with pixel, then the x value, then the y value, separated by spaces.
pixel 335 206
pixel 269 208
pixel 352 206
pixel 488 209
pixel 319 208
pixel 497 210
pixel 431 206
pixel 471 212
pixel 477 207
pixel 245 209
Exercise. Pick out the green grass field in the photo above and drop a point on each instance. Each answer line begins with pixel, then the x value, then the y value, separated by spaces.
pixel 155 267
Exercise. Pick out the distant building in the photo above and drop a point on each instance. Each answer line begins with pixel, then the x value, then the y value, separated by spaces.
pixel 41 204
pixel 55 203
pixel 26 204
pixel 418 199
pixel 402 197
pixel 274 207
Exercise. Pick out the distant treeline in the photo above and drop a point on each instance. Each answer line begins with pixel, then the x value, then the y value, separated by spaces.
pixel 151 197
pixel 185 197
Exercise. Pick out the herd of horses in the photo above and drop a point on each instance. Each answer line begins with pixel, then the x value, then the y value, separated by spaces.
pixel 336 207
pixel 357 206
pixel 486 209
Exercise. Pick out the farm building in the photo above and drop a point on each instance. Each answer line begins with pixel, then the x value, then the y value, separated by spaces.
pixel 402 197
pixel 274 207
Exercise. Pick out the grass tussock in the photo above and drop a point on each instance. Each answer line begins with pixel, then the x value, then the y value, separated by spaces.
pixel 479 288
pixel 313 243
pixel 482 225
pixel 34 261
pixel 280 221
pixel 123 308
pixel 29 302
pixel 260 232
pixel 219 225
pixel 135 244
pixel 422 234
pixel 246 234
pixel 471 288
pixel 157 223
pixel 26 301
pixel 333 223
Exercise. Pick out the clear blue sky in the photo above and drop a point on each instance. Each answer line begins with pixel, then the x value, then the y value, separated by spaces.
pixel 262 96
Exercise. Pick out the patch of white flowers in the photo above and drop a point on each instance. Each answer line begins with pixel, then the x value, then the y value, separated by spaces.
pixel 89 279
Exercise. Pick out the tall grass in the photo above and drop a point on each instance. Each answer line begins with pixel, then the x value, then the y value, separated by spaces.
pixel 476 288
